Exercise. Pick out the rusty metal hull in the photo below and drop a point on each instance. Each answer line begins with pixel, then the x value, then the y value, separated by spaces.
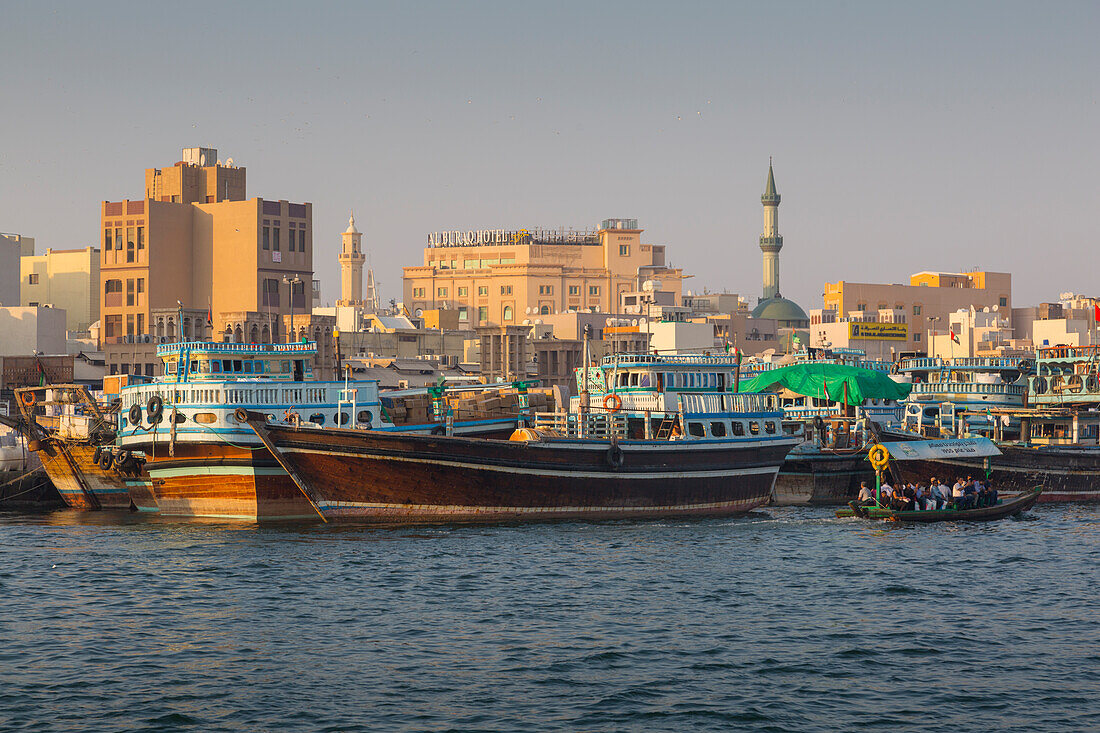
pixel 371 476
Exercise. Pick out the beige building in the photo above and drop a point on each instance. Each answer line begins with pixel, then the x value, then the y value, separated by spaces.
pixel 979 332
pixel 63 278
pixel 921 305
pixel 225 256
pixel 26 330
pixel 497 277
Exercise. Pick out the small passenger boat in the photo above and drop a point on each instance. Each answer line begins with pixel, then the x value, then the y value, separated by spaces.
pixel 974 449
pixel 981 514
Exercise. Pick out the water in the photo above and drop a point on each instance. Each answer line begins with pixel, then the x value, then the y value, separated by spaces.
pixel 783 620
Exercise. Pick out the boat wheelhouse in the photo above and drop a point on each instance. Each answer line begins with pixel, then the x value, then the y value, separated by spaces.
pixel 946 388
pixel 1066 376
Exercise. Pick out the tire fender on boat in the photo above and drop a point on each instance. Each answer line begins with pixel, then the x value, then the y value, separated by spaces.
pixel 615 456
pixel 155 409
pixel 105 460
pixel 97 453
pixel 135 414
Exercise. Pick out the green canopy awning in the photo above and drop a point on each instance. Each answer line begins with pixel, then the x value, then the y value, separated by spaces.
pixel 827 381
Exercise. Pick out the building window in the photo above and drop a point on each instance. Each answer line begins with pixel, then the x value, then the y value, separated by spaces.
pixel 301 240
pixel 140 238
pixel 463 292
pixel 624 250
pixel 271 292
pixel 546 289
pixel 916 310
pixel 130 291
pixel 112 326
pixel 593 289
pixel 861 307
pixel 32 279
pixel 483 314
pixel 140 323
pixel 441 292
pixel 418 292
pixel 574 289
pixel 298 294
pixel 1002 302
pixel 483 290
pixel 507 315
pixel 463 315
pixel 275 240
pixel 267 237
pixel 544 310
pixel 505 289
pixel 118 238
pixel 916 337
pixel 130 325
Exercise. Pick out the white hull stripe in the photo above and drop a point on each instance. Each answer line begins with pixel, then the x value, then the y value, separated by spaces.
pixel 563 472
pixel 465 509
pixel 214 471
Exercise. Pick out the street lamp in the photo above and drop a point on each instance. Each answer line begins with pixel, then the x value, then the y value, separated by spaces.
pixel 932 336
pixel 291 281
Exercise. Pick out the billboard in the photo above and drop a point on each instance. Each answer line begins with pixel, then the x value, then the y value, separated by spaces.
pixel 879 331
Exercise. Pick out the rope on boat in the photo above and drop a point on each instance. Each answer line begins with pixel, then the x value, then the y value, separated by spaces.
pixel 33 488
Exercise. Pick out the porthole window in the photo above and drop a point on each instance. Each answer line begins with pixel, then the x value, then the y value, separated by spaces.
pixel 718 429
pixel 738 427
pixel 365 416
pixel 769 427
pixel 180 418
pixel 696 430
pixel 205 418
pixel 342 418
pixel 754 427
pixel 317 418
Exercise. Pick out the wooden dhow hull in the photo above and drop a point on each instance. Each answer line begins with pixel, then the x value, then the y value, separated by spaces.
pixel 821 477
pixel 80 481
pixel 360 475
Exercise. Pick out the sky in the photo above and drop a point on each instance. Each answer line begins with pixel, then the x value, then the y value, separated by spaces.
pixel 905 136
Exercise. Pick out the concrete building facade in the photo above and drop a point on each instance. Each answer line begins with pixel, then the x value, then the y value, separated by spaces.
pixel 497 277
pixel 921 305
pixel 227 255
pixel 63 278
pixel 13 247
pixel 26 330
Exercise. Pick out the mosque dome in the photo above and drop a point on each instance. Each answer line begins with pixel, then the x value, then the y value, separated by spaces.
pixel 351 226
pixel 787 313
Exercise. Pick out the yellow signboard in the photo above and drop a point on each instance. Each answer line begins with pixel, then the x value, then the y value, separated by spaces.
pixel 879 331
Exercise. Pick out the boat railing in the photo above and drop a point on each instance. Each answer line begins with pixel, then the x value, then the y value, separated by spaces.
pixel 928 363
pixel 728 360
pixel 306 347
pixel 594 425
pixel 715 402
pixel 929 388
pixel 235 393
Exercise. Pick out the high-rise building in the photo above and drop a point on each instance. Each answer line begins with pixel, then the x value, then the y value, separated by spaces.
pixel 772 304
pixel 195 242
pixel 498 277
pixel 351 266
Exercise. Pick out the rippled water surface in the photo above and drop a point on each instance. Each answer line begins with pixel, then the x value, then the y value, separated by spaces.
pixel 786 619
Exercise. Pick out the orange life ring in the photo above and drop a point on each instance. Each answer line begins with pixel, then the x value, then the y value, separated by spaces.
pixel 612 399
pixel 27 398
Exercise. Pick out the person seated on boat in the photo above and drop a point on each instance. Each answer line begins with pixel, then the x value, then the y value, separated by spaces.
pixel 923 499
pixel 866 496
pixel 957 493
pixel 909 496
pixel 939 492
pixel 676 432
pixel 970 493
pixel 886 493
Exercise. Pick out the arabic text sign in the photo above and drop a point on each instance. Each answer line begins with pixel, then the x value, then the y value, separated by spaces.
pixel 950 448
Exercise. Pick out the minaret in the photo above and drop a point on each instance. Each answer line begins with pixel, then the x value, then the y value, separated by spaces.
pixel 372 292
pixel 351 266
pixel 771 241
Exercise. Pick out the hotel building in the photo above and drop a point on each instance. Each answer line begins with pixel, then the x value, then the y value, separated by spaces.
pixel 498 277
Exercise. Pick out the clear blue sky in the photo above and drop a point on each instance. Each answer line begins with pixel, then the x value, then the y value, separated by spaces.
pixel 906 136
